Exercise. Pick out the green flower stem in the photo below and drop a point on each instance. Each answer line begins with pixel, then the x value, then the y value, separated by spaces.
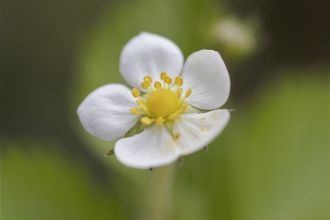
pixel 161 193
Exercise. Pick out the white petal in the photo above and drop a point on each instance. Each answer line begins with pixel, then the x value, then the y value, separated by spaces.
pixel 105 113
pixel 206 74
pixel 149 54
pixel 194 131
pixel 153 147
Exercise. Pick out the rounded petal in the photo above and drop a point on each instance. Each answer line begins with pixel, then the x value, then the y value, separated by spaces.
pixel 153 147
pixel 105 113
pixel 149 54
pixel 194 131
pixel 206 74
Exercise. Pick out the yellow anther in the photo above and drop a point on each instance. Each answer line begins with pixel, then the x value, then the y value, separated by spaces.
pixel 179 92
pixel 161 103
pixel 135 111
pixel 146 120
pixel 135 92
pixel 162 75
pixel 157 85
pixel 145 84
pixel 188 93
pixel 147 77
pixel 142 105
pixel 178 81
pixel 159 121
pixel 168 80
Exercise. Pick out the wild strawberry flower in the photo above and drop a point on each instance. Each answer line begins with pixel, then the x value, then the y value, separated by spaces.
pixel 172 110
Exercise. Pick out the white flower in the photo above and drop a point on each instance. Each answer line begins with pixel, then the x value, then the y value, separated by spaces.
pixel 169 107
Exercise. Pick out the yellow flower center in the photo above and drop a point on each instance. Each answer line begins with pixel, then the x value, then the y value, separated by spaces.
pixel 163 100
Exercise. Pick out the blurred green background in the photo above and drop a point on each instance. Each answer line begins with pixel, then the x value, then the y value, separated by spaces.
pixel 270 163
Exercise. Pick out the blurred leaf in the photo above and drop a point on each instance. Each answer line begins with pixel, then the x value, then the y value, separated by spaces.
pixel 42 185
pixel 235 38
pixel 271 162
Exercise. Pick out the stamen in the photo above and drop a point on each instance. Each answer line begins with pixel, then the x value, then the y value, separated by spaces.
pixel 147 77
pixel 184 106
pixel 157 85
pixel 140 101
pixel 142 105
pixel 168 80
pixel 174 115
pixel 145 84
pixel 163 100
pixel 178 80
pixel 146 120
pixel 188 93
pixel 159 121
pixel 179 92
pixel 135 92
pixel 162 75
pixel 135 111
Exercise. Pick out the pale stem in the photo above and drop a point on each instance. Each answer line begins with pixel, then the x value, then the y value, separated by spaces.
pixel 161 193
